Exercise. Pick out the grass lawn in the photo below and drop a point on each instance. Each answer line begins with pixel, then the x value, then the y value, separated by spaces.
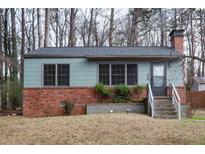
pixel 100 129
pixel 198 118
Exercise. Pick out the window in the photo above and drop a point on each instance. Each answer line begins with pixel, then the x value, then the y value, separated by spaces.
pixel 49 75
pixel 59 79
pixel 131 74
pixel 118 74
pixel 104 74
pixel 63 75
pixel 114 74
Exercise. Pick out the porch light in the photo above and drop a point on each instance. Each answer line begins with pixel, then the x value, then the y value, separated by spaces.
pixel 62 104
pixel 127 109
pixel 111 111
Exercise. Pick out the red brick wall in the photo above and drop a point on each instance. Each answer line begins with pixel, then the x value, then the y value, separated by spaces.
pixel 39 102
pixel 182 93
pixel 178 43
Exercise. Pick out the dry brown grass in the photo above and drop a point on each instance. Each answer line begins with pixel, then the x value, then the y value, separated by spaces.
pixel 100 129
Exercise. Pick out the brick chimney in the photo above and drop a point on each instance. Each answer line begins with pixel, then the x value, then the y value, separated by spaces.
pixel 177 40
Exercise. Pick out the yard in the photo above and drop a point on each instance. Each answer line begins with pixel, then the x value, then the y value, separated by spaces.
pixel 100 129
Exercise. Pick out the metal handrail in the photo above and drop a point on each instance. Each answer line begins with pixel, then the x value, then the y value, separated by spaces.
pixel 151 99
pixel 176 99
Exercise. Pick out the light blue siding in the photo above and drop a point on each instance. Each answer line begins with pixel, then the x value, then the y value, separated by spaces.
pixel 175 74
pixel 82 73
pixel 85 73
pixel 143 73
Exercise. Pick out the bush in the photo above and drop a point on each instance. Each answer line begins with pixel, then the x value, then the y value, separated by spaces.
pixel 103 90
pixel 68 106
pixel 11 94
pixel 138 88
pixel 121 93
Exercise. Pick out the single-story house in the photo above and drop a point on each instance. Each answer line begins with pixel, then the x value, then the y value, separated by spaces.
pixel 198 84
pixel 52 74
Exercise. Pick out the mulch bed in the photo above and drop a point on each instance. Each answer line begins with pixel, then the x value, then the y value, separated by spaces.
pixel 11 113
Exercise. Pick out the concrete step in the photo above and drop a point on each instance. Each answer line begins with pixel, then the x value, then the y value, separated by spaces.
pixel 162 101
pixel 165 116
pixel 164 105
pixel 165 112
pixel 162 97
pixel 165 109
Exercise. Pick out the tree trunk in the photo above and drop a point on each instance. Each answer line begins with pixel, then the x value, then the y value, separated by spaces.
pixel 39 27
pixel 22 43
pixel 1 59
pixel 161 27
pixel 57 27
pixel 14 44
pixel 15 61
pixel 111 27
pixel 90 27
pixel 202 42
pixel 47 24
pixel 175 18
pixel 1 47
pixel 33 30
pixel 133 39
pixel 71 33
pixel 6 42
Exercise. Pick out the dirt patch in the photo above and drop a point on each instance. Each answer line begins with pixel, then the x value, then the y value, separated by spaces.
pixel 11 113
pixel 100 129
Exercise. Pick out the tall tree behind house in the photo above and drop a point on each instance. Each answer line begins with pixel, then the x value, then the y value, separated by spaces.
pixel 47 24
pixel 1 46
pixel 90 27
pixel 111 27
pixel 14 45
pixel 22 42
pixel 72 27
pixel 33 29
pixel 39 27
pixel 1 57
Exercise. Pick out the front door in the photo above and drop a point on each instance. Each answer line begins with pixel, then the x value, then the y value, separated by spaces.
pixel 158 79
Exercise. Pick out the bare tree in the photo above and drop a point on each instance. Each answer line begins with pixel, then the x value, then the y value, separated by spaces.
pixel 71 33
pixel 1 48
pixel 39 26
pixel 57 27
pixel 90 27
pixel 33 29
pixel 47 24
pixel 161 27
pixel 6 35
pixel 133 39
pixel 111 27
pixel 14 44
pixel 22 42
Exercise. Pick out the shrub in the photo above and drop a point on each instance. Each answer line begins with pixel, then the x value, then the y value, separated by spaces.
pixel 103 90
pixel 121 93
pixel 11 94
pixel 68 106
pixel 138 88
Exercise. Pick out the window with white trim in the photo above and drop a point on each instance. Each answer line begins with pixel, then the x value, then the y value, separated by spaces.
pixel 118 74
pixel 104 74
pixel 114 74
pixel 56 75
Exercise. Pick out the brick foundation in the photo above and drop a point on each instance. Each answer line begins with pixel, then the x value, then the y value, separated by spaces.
pixel 39 102
pixel 182 93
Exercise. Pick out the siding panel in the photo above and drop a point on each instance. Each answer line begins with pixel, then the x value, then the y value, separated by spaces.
pixel 85 73
pixel 175 74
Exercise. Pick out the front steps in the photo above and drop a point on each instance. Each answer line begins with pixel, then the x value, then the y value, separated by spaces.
pixel 164 108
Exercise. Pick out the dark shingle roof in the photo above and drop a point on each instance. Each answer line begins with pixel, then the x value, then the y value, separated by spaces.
pixel 79 52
